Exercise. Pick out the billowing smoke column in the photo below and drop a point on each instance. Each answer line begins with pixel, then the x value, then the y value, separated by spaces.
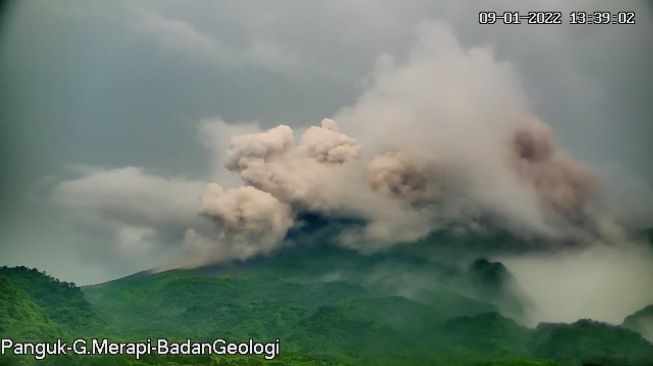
pixel 563 184
pixel 399 176
pixel 446 138
pixel 270 161
pixel 327 145
pixel 401 197
pixel 248 222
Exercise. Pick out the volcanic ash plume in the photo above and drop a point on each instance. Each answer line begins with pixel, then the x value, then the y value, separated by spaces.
pixel 398 175
pixel 563 184
pixel 247 222
pixel 327 145
pixel 445 138
pixel 307 174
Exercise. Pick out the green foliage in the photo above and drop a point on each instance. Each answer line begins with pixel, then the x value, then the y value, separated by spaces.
pixel 641 321
pixel 590 342
pixel 62 302
pixel 319 308
pixel 22 318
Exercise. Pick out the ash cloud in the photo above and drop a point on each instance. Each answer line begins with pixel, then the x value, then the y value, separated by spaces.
pixel 323 173
pixel 247 222
pixel 297 173
pixel 564 185
pixel 450 134
pixel 445 137
pixel 327 145
pixel 397 175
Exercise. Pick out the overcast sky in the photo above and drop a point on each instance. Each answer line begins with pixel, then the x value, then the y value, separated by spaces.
pixel 89 86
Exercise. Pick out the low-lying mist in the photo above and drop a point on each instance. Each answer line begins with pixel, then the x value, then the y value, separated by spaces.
pixel 600 282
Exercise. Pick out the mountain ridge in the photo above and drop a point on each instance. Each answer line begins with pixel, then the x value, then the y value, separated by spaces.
pixel 329 306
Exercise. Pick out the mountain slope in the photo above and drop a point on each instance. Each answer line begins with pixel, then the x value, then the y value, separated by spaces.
pixel 340 307
pixel 22 318
pixel 62 302
pixel 328 306
pixel 587 341
pixel 641 321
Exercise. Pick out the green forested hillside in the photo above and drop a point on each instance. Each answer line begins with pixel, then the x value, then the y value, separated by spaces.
pixel 61 302
pixel 21 317
pixel 600 343
pixel 641 321
pixel 328 307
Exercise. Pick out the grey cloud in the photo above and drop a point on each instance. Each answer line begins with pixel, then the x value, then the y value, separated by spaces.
pixel 132 207
pixel 120 85
pixel 182 39
pixel 215 135
pixel 440 145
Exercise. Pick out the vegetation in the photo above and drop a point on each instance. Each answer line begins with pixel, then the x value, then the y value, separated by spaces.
pixel 329 308
pixel 642 322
